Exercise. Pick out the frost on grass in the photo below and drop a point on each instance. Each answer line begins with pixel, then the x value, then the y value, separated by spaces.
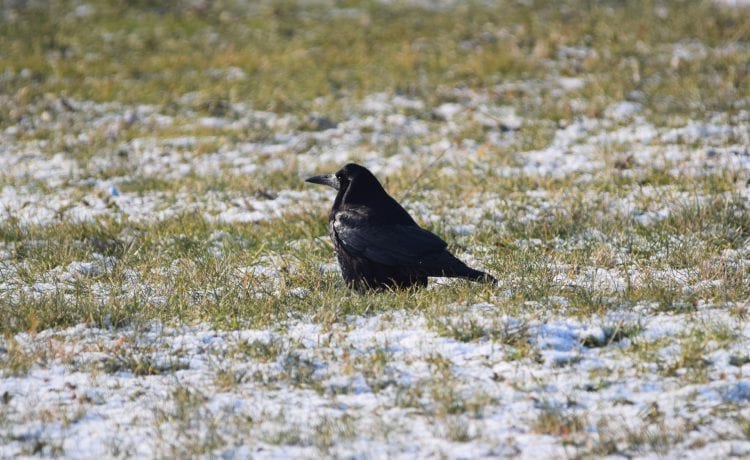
pixel 168 289
pixel 608 384
pixel 584 368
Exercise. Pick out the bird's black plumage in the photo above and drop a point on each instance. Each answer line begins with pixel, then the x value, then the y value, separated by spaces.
pixel 378 244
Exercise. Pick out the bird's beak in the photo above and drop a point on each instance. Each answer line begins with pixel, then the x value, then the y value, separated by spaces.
pixel 328 179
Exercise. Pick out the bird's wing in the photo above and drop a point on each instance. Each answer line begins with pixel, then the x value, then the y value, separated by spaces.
pixel 397 245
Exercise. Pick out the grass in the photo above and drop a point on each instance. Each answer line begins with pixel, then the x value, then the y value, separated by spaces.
pixel 292 53
pixel 555 421
pixel 17 361
pixel 652 436
pixel 123 92
pixel 172 259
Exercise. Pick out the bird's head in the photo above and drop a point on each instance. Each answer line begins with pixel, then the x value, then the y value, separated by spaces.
pixel 353 182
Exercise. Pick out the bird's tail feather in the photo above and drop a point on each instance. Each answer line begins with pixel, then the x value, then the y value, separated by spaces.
pixel 449 266
pixel 477 275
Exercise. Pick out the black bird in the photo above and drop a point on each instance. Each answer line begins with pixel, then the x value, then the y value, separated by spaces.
pixel 378 244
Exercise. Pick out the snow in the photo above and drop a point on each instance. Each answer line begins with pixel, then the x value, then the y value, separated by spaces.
pixel 402 383
pixel 734 3
pixel 623 110
pixel 107 406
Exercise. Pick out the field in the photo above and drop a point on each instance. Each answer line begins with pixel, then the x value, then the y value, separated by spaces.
pixel 168 288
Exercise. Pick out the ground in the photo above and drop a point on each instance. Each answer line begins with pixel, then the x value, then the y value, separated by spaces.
pixel 167 287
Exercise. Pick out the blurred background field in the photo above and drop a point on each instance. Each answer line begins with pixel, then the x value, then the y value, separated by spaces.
pixel 284 56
